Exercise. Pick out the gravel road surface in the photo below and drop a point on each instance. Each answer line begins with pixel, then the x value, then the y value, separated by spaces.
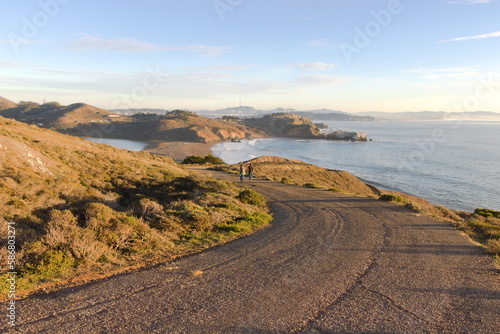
pixel 329 263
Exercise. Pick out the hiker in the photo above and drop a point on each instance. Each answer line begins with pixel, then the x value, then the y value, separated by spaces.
pixel 242 172
pixel 250 172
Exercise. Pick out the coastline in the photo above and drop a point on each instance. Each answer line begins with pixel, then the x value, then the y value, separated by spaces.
pixel 178 151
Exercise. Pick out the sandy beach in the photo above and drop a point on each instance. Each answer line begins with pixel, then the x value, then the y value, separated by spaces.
pixel 180 150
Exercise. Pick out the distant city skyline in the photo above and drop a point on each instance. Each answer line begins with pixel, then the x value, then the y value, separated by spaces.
pixel 391 55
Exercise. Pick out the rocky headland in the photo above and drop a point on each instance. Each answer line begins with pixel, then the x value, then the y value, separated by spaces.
pixel 295 126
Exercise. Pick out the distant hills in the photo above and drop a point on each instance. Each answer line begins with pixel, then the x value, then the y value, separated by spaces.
pixel 84 120
pixel 204 126
pixel 6 104
pixel 433 116
pixel 334 115
pixel 54 115
pixel 246 111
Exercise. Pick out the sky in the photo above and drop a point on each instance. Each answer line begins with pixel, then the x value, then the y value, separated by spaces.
pixel 354 56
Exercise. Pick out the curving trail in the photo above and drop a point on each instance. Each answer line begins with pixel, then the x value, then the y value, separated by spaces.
pixel 329 263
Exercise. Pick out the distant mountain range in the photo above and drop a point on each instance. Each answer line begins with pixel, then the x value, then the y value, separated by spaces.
pixel 246 111
pixel 334 115
pixel 433 116
pixel 80 112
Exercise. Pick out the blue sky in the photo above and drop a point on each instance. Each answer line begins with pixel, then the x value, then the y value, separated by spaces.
pixel 391 55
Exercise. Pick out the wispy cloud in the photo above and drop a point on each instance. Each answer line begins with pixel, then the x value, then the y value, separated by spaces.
pixel 319 79
pixel 482 36
pixel 321 43
pixel 315 67
pixel 89 42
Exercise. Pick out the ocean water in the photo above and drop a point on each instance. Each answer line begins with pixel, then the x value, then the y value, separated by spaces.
pixel 452 163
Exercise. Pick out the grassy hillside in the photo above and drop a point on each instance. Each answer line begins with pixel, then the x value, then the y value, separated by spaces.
pixel 54 115
pixel 83 210
pixel 175 126
pixel 6 104
pixel 303 174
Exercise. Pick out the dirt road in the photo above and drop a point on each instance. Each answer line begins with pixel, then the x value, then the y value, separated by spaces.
pixel 329 263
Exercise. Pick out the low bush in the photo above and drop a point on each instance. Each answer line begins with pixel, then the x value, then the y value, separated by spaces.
pixel 493 246
pixel 249 196
pixel 487 213
pixel 312 185
pixel 198 160
pixel 393 198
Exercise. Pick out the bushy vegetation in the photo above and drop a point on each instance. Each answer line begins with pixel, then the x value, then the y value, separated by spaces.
pixel 198 160
pixel 487 213
pixel 85 210
pixel 306 175
pixel 484 228
pixel 393 198
pixel 252 197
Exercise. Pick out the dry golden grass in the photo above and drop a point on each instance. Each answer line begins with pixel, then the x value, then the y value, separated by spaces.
pixel 302 174
pixel 83 210
pixel 196 273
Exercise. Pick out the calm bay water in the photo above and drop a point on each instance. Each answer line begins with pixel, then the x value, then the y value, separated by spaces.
pixel 125 144
pixel 455 164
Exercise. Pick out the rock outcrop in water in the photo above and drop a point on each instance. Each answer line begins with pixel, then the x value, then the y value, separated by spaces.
pixel 294 126
pixel 343 135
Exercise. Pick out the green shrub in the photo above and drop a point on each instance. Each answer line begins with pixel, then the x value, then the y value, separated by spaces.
pixel 246 224
pixel 208 159
pixel 487 213
pixel 249 196
pixel 312 185
pixel 214 160
pixel 393 198
pixel 54 263
pixel 194 160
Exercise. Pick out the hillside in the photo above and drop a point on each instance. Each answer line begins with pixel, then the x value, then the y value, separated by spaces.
pixel 83 210
pixel 284 125
pixel 303 174
pixel 84 120
pixel 6 104
pixel 434 116
pixel 174 126
pixel 53 115
pixel 330 115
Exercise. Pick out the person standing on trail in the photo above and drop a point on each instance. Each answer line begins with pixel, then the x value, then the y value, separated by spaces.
pixel 242 172
pixel 250 172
